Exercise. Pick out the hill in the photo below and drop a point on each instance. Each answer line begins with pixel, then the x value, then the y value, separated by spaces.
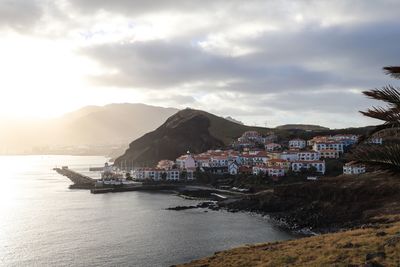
pixel 189 129
pixel 109 126
pixel 304 127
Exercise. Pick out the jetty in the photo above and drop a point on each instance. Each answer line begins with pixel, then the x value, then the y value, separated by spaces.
pixel 80 181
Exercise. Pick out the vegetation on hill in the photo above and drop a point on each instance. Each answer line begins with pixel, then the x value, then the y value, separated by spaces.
pixel 328 204
pixel 304 127
pixel 197 131
pixel 188 130
pixel 374 245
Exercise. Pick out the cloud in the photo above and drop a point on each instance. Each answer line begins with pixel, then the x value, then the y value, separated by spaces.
pixel 333 58
pixel 19 14
pixel 240 58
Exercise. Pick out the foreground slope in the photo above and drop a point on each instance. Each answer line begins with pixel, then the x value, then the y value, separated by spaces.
pixel 367 205
pixel 189 129
pixel 378 245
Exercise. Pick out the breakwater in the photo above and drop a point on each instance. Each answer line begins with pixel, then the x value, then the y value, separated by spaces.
pixel 80 181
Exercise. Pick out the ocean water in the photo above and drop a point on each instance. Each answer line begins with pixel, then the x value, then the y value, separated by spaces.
pixel 44 223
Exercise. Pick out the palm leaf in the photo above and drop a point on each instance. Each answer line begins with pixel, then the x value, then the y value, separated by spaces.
pixel 383 157
pixel 393 71
pixel 388 93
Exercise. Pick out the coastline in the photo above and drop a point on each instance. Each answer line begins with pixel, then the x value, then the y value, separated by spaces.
pixel 337 209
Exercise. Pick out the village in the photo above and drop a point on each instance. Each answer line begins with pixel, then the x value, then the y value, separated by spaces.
pixel 255 154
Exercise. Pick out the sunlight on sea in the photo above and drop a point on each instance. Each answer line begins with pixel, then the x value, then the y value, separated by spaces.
pixel 44 223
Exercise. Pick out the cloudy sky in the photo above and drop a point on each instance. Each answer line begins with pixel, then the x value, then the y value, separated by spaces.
pixel 263 62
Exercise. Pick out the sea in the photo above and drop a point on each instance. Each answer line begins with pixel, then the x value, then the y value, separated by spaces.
pixel 44 223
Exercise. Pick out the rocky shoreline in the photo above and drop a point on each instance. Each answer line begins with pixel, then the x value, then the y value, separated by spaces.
pixel 327 206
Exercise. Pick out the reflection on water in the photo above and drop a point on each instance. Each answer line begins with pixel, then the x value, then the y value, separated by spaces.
pixel 43 223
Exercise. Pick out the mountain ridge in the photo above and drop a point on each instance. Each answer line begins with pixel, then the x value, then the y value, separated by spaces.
pixel 188 129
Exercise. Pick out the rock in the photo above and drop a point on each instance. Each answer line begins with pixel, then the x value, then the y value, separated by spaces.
pixel 381 233
pixel 182 208
pixel 391 242
pixel 371 256
pixel 373 264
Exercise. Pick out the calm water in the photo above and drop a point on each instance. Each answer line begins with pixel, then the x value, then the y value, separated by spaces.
pixel 43 223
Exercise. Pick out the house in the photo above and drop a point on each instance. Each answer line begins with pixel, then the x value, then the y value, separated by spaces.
pixel 173 175
pixel 338 146
pixel 219 160
pixel 233 168
pixel 276 171
pixel 187 174
pixel 154 174
pixel 353 168
pixel 185 161
pixel 242 144
pixel 202 160
pixel 319 138
pixel 329 154
pixel 290 155
pixel 308 155
pixel 215 169
pixel 245 169
pixel 341 137
pixel 375 141
pixel 299 165
pixel 252 136
pixel 260 169
pixel 165 164
pixel 270 138
pixel 260 157
pixel 282 163
pixel 272 147
pixel 157 174
pixel 297 143
pixel 274 155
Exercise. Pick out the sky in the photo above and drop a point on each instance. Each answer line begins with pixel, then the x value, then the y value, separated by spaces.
pixel 265 63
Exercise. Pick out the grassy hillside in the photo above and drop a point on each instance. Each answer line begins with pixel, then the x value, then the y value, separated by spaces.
pixel 304 127
pixel 377 245
pixel 367 205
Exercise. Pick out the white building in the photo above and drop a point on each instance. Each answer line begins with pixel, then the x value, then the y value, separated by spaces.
pixel 338 146
pixel 375 141
pixel 260 169
pixel 290 155
pixel 219 161
pixel 186 161
pixel 329 154
pixel 308 155
pixel 297 143
pixel 165 164
pixel 319 165
pixel 233 168
pixel 353 168
pixel 276 171
pixel 272 147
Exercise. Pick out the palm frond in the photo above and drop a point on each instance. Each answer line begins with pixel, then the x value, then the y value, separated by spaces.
pixel 393 71
pixel 390 115
pixel 388 93
pixel 383 157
